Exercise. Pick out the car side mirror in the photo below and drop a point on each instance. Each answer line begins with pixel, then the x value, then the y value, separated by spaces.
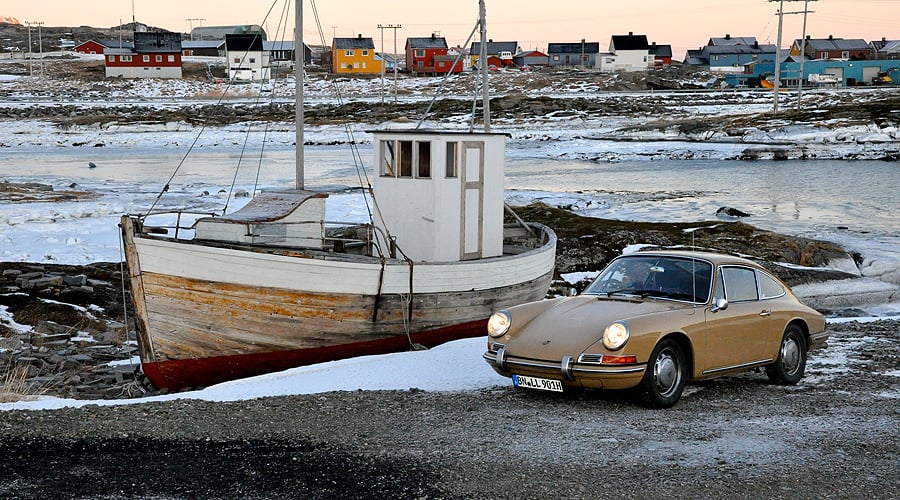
pixel 719 305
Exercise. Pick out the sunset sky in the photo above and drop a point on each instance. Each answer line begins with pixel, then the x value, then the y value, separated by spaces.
pixel 682 23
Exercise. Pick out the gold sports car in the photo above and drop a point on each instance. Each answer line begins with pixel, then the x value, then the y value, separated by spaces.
pixel 654 320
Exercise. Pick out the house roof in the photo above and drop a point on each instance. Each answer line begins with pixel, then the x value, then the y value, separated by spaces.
pixel 732 40
pixel 573 48
pixel 890 47
pixel 239 43
pixel 629 42
pixel 155 42
pixel 831 44
pixel 431 42
pixel 739 49
pixel 201 44
pixel 530 53
pixel 495 47
pixel 111 44
pixel 359 42
pixel 219 32
pixel 661 50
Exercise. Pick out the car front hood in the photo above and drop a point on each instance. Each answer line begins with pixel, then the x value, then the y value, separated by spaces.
pixel 576 323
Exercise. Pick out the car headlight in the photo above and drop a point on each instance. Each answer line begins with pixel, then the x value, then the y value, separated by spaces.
pixel 498 323
pixel 615 335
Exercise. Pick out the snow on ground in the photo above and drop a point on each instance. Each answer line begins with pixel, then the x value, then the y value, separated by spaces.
pixel 454 366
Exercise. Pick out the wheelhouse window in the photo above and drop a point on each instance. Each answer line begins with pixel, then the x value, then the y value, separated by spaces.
pixel 424 160
pixel 406 158
pixel 451 169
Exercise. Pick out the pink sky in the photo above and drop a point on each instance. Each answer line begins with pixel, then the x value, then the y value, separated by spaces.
pixel 681 23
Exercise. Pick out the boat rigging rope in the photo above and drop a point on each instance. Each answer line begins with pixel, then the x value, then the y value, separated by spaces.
pixel 199 134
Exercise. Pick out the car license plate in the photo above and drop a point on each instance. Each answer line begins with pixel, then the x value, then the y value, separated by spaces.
pixel 543 384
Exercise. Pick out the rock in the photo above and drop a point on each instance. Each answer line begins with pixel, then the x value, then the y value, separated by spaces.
pixel 731 212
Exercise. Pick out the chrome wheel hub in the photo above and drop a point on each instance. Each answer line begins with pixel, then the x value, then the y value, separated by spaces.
pixel 666 373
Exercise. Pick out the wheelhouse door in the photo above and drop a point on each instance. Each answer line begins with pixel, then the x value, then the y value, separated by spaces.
pixel 472 203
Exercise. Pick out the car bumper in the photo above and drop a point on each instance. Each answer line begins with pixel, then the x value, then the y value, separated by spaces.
pixel 818 340
pixel 570 373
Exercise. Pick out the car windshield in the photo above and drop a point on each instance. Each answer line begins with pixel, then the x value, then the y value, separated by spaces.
pixel 678 278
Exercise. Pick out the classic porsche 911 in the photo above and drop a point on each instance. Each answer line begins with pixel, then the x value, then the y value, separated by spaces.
pixel 654 320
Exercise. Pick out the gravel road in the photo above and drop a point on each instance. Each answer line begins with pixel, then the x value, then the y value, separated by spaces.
pixel 835 435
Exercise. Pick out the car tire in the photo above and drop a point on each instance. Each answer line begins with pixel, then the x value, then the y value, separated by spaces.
pixel 664 378
pixel 790 365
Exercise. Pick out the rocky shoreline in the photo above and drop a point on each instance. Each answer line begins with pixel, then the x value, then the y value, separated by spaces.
pixel 63 328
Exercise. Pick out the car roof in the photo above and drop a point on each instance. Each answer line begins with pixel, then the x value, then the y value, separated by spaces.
pixel 715 258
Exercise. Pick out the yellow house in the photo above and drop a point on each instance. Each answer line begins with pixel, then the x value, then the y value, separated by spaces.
pixel 354 55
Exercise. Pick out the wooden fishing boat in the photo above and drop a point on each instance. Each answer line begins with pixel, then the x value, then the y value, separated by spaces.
pixel 276 284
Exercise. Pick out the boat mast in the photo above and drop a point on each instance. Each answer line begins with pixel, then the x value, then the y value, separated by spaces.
pixel 298 91
pixel 482 58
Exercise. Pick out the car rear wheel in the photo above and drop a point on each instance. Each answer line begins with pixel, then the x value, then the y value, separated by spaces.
pixel 790 365
pixel 663 381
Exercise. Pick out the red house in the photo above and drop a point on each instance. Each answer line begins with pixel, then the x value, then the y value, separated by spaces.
pixel 98 46
pixel 421 53
pixel 155 55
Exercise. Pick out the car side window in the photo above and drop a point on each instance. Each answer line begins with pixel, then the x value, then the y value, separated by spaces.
pixel 740 284
pixel 769 287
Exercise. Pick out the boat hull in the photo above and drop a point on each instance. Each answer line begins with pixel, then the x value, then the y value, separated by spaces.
pixel 208 314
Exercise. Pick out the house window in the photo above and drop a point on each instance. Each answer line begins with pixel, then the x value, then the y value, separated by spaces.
pixel 451 160
pixel 424 160
pixel 146 58
pixel 365 53
pixel 364 65
pixel 556 58
pixel 420 64
pixel 356 65
pixel 124 58
pixel 343 65
pixel 112 58
pixel 348 53
pixel 845 54
pixel 171 58
pixel 159 58
pixel 419 53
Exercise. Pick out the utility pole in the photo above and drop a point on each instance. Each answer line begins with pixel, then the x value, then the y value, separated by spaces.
pixel 395 28
pixel 582 53
pixel 802 53
pixel 383 62
pixel 40 45
pixel 781 14
pixel 191 21
pixel 28 54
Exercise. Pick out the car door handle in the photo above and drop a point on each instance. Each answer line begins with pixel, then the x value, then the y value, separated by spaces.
pixel 765 312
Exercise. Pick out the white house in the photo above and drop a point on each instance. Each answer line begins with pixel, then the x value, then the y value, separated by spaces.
pixel 626 53
pixel 247 59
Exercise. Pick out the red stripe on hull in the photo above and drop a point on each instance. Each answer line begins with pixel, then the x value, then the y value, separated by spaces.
pixel 180 374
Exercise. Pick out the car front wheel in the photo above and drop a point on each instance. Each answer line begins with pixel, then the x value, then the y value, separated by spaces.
pixel 790 365
pixel 664 379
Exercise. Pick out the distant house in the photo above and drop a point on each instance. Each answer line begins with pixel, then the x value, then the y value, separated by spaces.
pixel 662 55
pixel 354 56
pixel 626 53
pixel 281 53
pixel 834 48
pixel 731 54
pixel 444 64
pixel 208 48
pixel 581 54
pixel 154 55
pixel 246 59
pixel 421 53
pixel 886 49
pixel 502 51
pixel 531 58
pixel 98 46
